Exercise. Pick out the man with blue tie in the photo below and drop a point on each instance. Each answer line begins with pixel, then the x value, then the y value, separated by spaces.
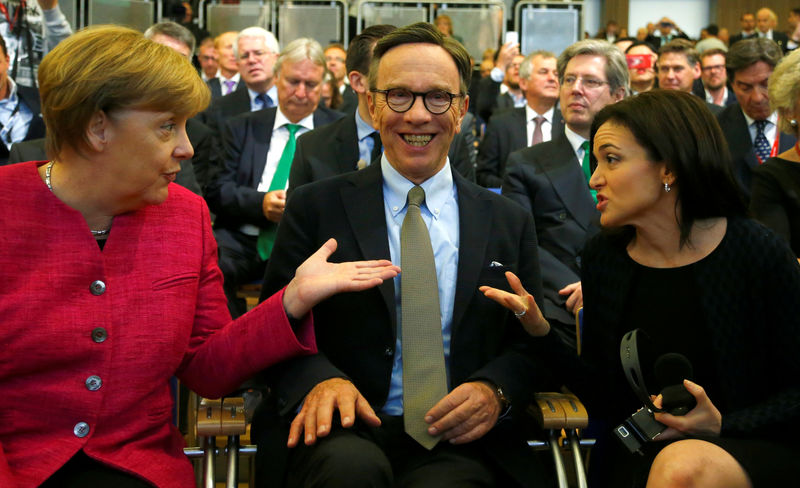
pixel 249 194
pixel 750 126
pixel 256 50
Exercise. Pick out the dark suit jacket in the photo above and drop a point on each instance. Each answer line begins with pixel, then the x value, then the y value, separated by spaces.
pixel 781 39
pixel 333 149
pixel 700 90
pixel 656 41
pixel 356 331
pixel 506 133
pixel 741 36
pixel 190 176
pixel 225 107
pixel 490 101
pixel 233 194
pixel 547 180
pixel 30 97
pixel 349 101
pixel 216 87
pixel 734 126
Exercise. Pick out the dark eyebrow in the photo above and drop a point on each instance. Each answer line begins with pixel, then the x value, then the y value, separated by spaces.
pixel 607 145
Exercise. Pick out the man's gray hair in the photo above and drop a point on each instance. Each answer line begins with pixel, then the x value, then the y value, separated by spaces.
pixel 526 68
pixel 616 66
pixel 300 49
pixel 259 33
pixel 173 30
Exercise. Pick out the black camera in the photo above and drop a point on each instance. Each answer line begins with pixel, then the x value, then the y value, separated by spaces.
pixel 670 369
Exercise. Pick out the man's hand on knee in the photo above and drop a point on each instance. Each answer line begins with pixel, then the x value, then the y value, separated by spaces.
pixel 316 416
pixel 467 413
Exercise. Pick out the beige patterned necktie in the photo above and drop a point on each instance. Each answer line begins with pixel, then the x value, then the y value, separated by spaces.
pixel 424 375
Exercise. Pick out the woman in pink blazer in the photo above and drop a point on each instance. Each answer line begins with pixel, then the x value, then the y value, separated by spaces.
pixel 109 282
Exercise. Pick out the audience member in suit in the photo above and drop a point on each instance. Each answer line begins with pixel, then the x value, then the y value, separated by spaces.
pixel 766 22
pixel 351 142
pixel 20 112
pixel 207 57
pixel 335 61
pixel 793 34
pixel 228 79
pixel 668 32
pixel 255 50
pixel 418 85
pixel 776 183
pixel 551 180
pixel 643 73
pixel 750 125
pixel 679 69
pixel 500 90
pixel 249 194
pixel 715 87
pixel 748 22
pixel 539 121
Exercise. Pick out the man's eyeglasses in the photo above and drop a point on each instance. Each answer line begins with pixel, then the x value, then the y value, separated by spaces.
pixel 588 83
pixel 716 67
pixel 401 100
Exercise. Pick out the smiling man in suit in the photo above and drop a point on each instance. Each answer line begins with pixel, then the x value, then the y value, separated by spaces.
pixel 249 194
pixel 410 207
pixel 750 126
pixel 551 180
pixel 538 121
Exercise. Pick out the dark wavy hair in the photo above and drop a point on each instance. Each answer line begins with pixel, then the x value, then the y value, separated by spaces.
pixel 677 128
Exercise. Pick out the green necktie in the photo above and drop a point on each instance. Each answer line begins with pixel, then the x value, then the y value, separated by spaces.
pixel 587 170
pixel 266 236
pixel 424 375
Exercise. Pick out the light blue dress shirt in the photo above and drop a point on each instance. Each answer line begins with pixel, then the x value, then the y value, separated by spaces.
pixel 255 105
pixel 440 213
pixel 365 142
pixel 15 117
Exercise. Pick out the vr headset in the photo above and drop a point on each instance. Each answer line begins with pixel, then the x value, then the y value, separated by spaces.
pixel 670 370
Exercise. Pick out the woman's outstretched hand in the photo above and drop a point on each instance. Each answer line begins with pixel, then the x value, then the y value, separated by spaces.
pixel 521 303
pixel 317 279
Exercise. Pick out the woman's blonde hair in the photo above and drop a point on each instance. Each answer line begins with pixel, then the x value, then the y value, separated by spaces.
pixel 110 68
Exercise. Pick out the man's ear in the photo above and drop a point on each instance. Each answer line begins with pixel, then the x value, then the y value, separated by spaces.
pixel 358 81
pixel 97 131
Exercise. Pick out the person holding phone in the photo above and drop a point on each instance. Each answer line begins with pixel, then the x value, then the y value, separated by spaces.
pixel 666 32
pixel 641 58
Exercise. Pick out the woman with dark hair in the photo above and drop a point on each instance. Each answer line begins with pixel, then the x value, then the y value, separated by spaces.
pixel 680 261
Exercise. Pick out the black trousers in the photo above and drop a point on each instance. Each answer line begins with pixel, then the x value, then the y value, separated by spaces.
pixel 82 471
pixel 240 264
pixel 386 456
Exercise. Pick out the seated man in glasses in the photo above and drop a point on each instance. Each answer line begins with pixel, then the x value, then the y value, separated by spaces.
pixel 429 377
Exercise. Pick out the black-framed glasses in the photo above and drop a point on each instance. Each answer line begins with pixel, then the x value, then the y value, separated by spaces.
pixel 401 100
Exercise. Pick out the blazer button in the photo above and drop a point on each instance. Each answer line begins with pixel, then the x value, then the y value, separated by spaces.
pixel 388 352
pixel 97 287
pixel 93 383
pixel 81 429
pixel 99 334
pixel 562 216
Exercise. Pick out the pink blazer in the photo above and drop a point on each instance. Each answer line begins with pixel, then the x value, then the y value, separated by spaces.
pixel 89 339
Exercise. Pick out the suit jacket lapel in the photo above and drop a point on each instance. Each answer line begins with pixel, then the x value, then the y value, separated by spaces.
pixel 347 145
pixel 741 142
pixel 475 222
pixel 261 127
pixel 519 132
pixel 569 182
pixel 363 206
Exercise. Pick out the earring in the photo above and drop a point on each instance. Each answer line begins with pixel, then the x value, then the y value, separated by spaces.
pixel 794 123
pixel 667 188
